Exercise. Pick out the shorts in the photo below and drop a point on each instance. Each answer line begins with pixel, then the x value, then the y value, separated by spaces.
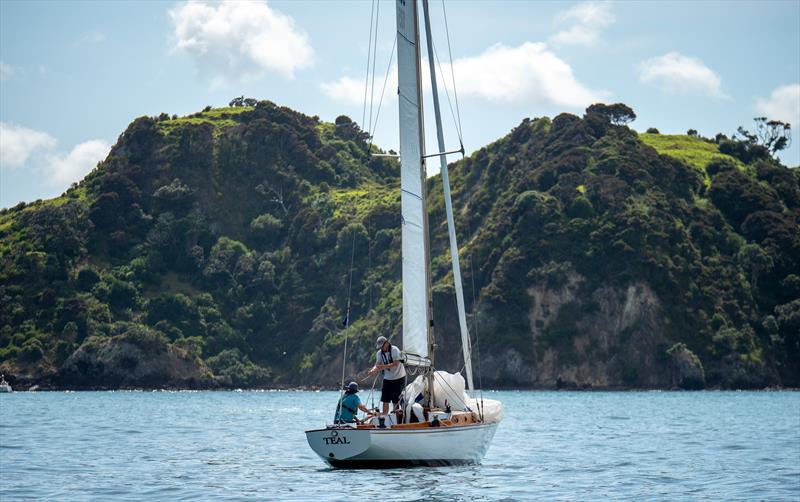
pixel 390 393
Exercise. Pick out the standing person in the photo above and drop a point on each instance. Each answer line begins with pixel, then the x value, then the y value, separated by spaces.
pixel 394 373
pixel 349 405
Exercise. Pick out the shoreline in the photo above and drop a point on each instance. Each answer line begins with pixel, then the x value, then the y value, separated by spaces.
pixel 314 388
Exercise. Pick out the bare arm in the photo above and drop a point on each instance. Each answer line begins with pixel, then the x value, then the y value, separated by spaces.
pixel 392 364
pixel 379 367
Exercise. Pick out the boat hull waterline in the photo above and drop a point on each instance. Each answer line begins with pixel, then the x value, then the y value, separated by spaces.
pixel 375 448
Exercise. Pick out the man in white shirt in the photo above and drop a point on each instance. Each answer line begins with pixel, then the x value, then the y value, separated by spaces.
pixel 394 373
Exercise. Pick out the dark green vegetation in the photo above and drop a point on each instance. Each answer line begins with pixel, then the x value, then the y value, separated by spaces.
pixel 214 250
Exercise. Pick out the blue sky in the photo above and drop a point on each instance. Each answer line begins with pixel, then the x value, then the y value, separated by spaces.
pixel 74 74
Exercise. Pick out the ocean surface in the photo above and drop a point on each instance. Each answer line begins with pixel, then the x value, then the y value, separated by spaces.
pixel 250 446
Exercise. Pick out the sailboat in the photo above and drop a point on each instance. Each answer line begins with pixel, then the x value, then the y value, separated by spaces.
pixel 4 386
pixel 441 424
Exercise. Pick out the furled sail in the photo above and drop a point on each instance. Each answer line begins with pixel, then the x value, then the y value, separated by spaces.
pixel 415 263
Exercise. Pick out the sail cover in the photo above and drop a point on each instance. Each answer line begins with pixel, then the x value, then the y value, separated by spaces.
pixel 415 290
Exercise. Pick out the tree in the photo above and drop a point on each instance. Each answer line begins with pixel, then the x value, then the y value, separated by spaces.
pixel 743 149
pixel 774 135
pixel 753 258
pixel 770 137
pixel 104 211
pixel 349 130
pixel 692 133
pixel 737 195
pixel 617 114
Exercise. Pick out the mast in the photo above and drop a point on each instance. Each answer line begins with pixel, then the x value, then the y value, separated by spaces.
pixel 423 172
pixel 448 204
pixel 417 305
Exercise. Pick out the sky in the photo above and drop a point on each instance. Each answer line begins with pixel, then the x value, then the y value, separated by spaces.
pixel 73 75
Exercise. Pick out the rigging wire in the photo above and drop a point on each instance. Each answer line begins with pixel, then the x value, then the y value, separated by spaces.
pixel 475 330
pixel 452 72
pixel 383 90
pixel 369 52
pixel 347 325
pixel 372 392
pixel 374 54
pixel 456 123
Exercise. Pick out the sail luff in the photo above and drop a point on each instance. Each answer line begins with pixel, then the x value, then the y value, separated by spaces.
pixel 448 204
pixel 415 261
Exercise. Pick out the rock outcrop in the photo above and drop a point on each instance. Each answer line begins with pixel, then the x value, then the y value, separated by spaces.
pixel 134 360
pixel 688 372
pixel 612 337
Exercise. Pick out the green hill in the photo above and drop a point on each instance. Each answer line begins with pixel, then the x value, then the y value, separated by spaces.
pixel 214 250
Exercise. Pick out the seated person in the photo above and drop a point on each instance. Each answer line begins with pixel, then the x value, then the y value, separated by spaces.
pixel 349 405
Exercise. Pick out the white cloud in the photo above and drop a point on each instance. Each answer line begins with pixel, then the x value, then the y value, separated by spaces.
pixel 239 40
pixel 18 143
pixel 583 23
pixel 526 74
pixel 346 90
pixel 349 90
pixel 63 169
pixel 6 71
pixel 21 147
pixel 679 74
pixel 783 104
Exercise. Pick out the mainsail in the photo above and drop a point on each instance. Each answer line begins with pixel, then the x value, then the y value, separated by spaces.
pixel 412 177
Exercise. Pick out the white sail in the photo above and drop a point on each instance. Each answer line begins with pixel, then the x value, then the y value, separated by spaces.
pixel 415 262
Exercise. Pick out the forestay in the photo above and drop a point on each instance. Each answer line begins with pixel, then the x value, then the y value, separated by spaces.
pixel 415 263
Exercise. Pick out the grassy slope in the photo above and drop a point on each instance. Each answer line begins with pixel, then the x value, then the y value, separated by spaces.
pixel 694 151
pixel 218 117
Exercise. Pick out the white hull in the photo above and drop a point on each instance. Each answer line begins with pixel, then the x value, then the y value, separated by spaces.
pixel 368 448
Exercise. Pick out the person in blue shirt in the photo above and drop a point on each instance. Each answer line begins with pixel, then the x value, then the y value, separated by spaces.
pixel 348 406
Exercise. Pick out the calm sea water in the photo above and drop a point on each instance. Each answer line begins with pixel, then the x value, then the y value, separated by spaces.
pixel 250 445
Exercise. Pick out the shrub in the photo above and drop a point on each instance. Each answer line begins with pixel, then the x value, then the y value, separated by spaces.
pixel 718 165
pixel 580 207
pixel 32 350
pixel 265 228
pixel 241 370
pixel 86 279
